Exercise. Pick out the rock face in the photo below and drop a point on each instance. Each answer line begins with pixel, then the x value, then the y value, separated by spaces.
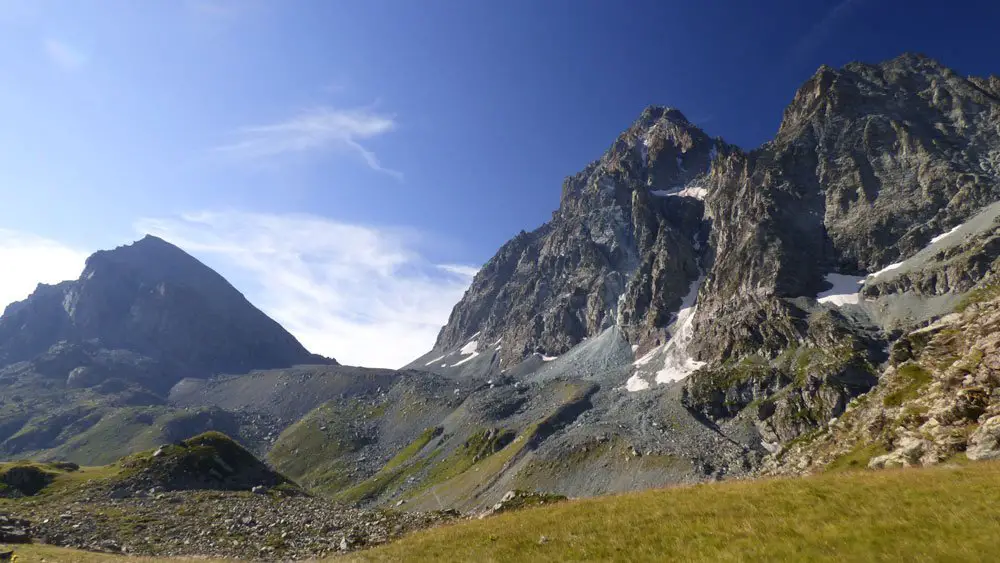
pixel 621 250
pixel 157 303
pixel 14 530
pixel 938 399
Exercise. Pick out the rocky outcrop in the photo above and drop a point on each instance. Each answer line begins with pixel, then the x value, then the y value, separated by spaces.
pixel 518 499
pixel 937 400
pixel 869 164
pixel 14 530
pixel 985 441
pixel 208 461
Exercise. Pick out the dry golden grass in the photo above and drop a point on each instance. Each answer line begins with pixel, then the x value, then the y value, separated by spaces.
pixel 939 514
pixel 50 554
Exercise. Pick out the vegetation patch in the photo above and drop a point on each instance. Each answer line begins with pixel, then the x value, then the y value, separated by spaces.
pixel 518 499
pixel 482 444
pixel 414 448
pixel 315 450
pixel 910 378
pixel 24 479
pixel 981 294
pixel 385 480
pixel 857 458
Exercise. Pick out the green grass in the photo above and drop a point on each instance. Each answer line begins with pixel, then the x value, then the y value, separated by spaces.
pixel 119 432
pixel 912 379
pixel 315 450
pixel 383 481
pixel 413 449
pixel 979 295
pixel 62 479
pixel 857 458
pixel 479 446
pixel 936 514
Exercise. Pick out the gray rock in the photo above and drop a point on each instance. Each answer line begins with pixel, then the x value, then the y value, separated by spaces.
pixel 984 443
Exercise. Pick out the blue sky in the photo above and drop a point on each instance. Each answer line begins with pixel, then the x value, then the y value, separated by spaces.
pixel 348 164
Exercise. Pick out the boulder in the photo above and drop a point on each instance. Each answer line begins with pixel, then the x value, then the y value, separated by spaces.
pixel 985 441
pixel 14 530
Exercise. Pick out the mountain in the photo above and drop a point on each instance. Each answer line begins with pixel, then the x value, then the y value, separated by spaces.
pixel 693 308
pixel 86 366
pixel 152 299
pixel 869 164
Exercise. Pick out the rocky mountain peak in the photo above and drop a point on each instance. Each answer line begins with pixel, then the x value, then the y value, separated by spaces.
pixel 637 208
pixel 653 113
pixel 152 299
pixel 871 161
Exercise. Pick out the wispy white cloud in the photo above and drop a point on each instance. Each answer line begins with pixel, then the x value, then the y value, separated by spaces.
pixel 65 56
pixel 321 128
pixel 363 295
pixel 27 260
pixel 460 269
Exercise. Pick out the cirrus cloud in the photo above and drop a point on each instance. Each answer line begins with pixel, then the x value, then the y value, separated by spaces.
pixel 321 128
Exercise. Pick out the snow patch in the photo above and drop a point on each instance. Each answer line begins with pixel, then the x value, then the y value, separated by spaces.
pixel 435 360
pixel 469 348
pixel 634 348
pixel 697 192
pixel 636 383
pixel 677 362
pixel 474 354
pixel 888 268
pixel 844 291
pixel 943 235
pixel 548 358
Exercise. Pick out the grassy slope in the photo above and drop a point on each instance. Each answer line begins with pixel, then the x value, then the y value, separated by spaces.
pixel 937 514
pixel 61 479
pixel 52 554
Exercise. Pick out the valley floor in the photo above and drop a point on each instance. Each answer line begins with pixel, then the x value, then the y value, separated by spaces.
pixel 944 513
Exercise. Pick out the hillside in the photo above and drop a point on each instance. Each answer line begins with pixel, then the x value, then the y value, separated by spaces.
pixel 950 514
pixel 941 514
pixel 205 496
